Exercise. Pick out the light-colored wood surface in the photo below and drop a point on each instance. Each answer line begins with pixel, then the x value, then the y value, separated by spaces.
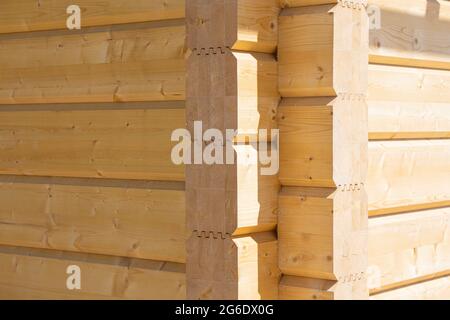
pixel 408 120
pixel 437 289
pixel 314 224
pixel 413 33
pixel 112 64
pixel 246 25
pixel 32 15
pixel 222 267
pixel 91 141
pixel 300 288
pixel 412 85
pixel 408 246
pixel 41 274
pixel 408 175
pixel 304 3
pixel 231 209
pixel 123 218
pixel 323 58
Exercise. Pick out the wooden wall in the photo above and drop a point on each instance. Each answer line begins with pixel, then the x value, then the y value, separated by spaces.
pixel 85 171
pixel 360 208
pixel 409 151
pixel 323 48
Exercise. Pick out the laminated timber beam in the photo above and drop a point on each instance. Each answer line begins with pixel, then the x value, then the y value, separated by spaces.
pixel 322 231
pixel 231 84
pixel 34 15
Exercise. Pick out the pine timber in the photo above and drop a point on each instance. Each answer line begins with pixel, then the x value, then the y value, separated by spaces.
pixel 137 219
pixel 232 84
pixel 408 175
pixel 405 247
pixel 97 141
pixel 437 289
pixel 33 15
pixel 41 274
pixel 137 62
pixel 413 33
pixel 323 56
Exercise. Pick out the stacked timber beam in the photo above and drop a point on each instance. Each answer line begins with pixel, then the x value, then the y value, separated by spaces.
pixel 231 208
pixel 85 171
pixel 409 151
pixel 323 49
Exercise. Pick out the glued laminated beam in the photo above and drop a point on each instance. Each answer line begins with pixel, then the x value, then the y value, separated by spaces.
pixel 316 55
pixel 406 247
pixel 137 62
pixel 408 175
pixel 240 267
pixel 231 208
pixel 33 15
pixel 246 25
pixel 139 219
pixel 322 235
pixel 435 289
pixel 41 274
pixel 92 141
pixel 322 232
pixel 411 33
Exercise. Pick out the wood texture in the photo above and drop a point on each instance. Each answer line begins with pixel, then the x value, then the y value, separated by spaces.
pixel 413 85
pixel 88 142
pixel 300 288
pixel 405 247
pixel 437 289
pixel 123 218
pixel 32 15
pixel 313 226
pixel 315 52
pixel 412 33
pixel 41 274
pixel 243 267
pixel 246 25
pixel 408 175
pixel 408 120
pixel 140 62
pixel 314 141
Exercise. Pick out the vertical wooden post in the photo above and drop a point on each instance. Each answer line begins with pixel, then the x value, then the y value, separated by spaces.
pixel 231 208
pixel 323 61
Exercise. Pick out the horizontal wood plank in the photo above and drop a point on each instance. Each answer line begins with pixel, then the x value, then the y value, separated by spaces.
pixel 408 175
pixel 129 63
pixel 408 120
pixel 41 274
pixel 123 218
pixel 124 143
pixel 436 289
pixel 33 15
pixel 412 33
pixel 408 246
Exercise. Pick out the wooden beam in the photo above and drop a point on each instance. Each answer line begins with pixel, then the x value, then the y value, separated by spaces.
pixel 143 62
pixel 239 267
pixel 408 246
pixel 29 15
pixel 97 141
pixel 412 33
pixel 232 252
pixel 118 217
pixel 41 274
pixel 246 25
pixel 436 289
pixel 408 175
pixel 314 227
pixel 408 120
pixel 323 150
